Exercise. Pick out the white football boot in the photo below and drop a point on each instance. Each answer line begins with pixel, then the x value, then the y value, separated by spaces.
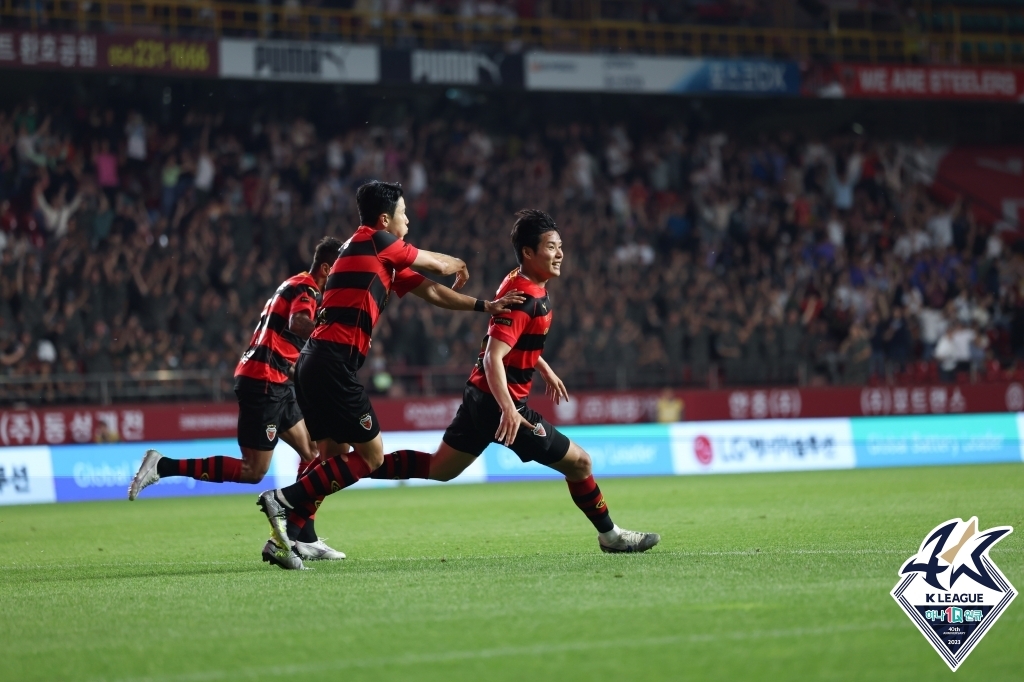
pixel 319 550
pixel 277 516
pixel 627 541
pixel 287 559
pixel 146 475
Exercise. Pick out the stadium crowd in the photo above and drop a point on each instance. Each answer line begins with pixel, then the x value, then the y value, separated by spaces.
pixel 127 246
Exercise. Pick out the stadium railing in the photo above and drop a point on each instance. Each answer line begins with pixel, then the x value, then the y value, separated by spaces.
pixel 948 36
pixel 107 388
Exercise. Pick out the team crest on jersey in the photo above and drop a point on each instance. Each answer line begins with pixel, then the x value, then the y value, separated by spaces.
pixel 366 421
pixel 271 431
pixel 539 431
pixel 952 590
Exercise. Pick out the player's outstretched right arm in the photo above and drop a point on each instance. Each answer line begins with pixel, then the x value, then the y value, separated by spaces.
pixel 443 297
pixel 444 265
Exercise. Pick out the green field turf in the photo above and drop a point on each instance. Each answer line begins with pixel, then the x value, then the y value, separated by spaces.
pixel 758 577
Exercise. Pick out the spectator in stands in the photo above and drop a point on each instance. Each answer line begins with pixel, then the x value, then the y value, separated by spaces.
pixel 754 257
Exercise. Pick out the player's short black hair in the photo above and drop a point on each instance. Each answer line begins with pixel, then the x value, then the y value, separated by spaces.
pixel 326 252
pixel 530 224
pixel 376 197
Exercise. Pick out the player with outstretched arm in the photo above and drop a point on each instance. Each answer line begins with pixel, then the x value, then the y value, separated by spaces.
pixel 494 405
pixel 375 262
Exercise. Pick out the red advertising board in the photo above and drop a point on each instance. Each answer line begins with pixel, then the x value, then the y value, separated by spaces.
pixel 54 50
pixel 189 421
pixel 916 82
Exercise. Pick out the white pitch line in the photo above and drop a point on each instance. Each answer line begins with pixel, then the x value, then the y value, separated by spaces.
pixel 478 557
pixel 322 667
pixel 486 557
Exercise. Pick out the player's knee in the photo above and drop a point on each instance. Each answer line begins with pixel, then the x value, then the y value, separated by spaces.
pixel 580 466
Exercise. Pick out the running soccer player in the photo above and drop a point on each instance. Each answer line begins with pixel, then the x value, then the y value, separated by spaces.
pixel 494 405
pixel 375 262
pixel 267 409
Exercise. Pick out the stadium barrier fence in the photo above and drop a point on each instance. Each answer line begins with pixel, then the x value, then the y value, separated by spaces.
pixel 949 35
pixel 74 473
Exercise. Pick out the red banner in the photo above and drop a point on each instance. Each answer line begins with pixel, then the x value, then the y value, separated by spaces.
pixel 102 52
pixel 190 421
pixel 993 177
pixel 916 82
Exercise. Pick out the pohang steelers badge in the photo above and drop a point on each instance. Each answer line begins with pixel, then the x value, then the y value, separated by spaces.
pixel 952 590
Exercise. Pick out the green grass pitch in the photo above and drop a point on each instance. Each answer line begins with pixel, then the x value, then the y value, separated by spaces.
pixel 758 577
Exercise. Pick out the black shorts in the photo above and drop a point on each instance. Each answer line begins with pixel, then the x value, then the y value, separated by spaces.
pixel 265 411
pixel 477 420
pixel 333 401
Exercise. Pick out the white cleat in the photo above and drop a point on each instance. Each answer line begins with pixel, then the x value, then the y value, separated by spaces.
pixel 277 516
pixel 287 559
pixel 319 550
pixel 146 475
pixel 629 541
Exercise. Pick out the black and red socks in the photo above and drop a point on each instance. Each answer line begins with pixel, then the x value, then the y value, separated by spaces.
pixel 214 469
pixel 403 465
pixel 587 496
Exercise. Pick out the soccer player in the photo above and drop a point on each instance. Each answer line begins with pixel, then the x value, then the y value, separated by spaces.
pixel 375 262
pixel 494 405
pixel 267 408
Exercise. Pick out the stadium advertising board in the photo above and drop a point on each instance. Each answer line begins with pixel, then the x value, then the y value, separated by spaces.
pixel 188 421
pixel 299 61
pixel 104 471
pixel 751 446
pixel 627 450
pixel 916 82
pixel 26 476
pixel 660 75
pixel 107 52
pixel 72 473
pixel 1020 434
pixel 452 67
pixel 841 401
pixel 952 439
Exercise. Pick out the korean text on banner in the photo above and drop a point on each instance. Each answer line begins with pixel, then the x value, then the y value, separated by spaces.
pixel 753 446
pixel 26 476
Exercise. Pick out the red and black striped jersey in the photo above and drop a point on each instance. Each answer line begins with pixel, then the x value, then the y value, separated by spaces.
pixel 524 327
pixel 274 347
pixel 371 265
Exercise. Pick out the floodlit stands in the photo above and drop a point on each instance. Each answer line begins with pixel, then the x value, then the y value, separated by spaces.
pixel 131 249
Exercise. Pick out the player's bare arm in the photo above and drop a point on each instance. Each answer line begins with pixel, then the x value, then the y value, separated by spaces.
pixel 443 297
pixel 511 420
pixel 444 265
pixel 301 324
pixel 554 388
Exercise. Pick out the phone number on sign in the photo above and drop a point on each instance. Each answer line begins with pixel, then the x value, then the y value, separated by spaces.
pixel 155 54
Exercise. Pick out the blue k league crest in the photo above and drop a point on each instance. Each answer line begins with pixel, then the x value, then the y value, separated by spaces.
pixel 952 590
